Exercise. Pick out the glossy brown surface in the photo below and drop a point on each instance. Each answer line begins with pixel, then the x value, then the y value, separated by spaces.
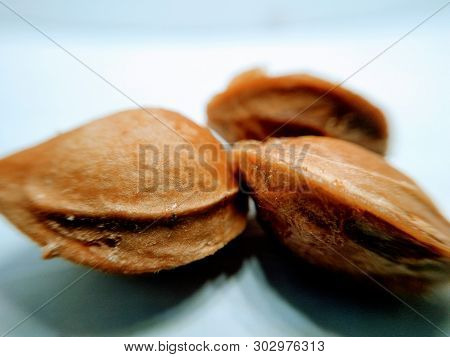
pixel 345 208
pixel 126 193
pixel 257 106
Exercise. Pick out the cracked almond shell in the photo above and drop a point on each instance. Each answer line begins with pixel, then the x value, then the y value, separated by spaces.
pixel 78 195
pixel 344 208
pixel 256 106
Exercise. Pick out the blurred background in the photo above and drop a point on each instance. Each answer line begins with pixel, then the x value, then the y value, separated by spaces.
pixel 65 63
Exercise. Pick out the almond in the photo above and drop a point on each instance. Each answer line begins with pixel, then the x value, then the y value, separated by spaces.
pixel 93 196
pixel 256 106
pixel 344 208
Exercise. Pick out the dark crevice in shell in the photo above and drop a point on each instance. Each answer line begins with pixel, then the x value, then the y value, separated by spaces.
pixel 355 119
pixel 116 224
pixel 385 241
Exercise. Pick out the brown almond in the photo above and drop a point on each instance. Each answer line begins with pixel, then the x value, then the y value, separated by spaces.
pixel 344 208
pixel 256 106
pixel 138 191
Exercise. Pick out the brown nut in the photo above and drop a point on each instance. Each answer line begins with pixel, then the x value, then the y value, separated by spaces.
pixel 138 191
pixel 256 106
pixel 345 208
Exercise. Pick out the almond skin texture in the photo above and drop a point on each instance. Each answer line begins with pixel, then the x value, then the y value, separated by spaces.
pixel 125 193
pixel 256 106
pixel 344 208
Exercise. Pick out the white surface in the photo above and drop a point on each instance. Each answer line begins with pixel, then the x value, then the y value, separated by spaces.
pixel 43 91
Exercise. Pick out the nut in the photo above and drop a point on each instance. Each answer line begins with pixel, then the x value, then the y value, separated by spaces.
pixel 91 196
pixel 256 106
pixel 345 208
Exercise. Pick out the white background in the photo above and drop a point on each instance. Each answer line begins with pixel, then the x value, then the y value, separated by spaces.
pixel 177 55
